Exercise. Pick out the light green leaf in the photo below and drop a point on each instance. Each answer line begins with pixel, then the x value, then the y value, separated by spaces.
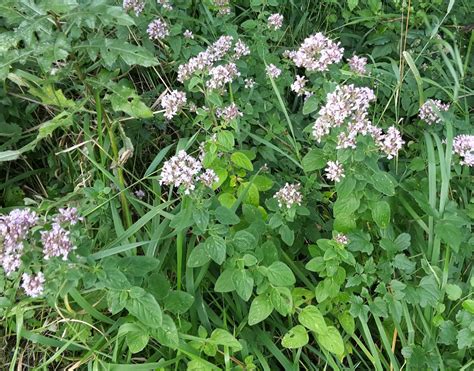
pixel 260 309
pixel 279 274
pixel 314 160
pixel 311 318
pixel 241 160
pixel 381 214
pixel 297 337
pixel 331 339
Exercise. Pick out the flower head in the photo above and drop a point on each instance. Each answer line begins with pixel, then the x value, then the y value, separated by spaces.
pixel 334 171
pixel 273 71
pixel 249 83
pixel 157 29
pixel 341 238
pixel 68 215
pixel 172 103
pixel 33 285
pixel 188 34
pixel 181 170
pixel 222 75
pixel 208 178
pixel 240 49
pixel 275 21
pixel 166 4
pixel 391 142
pixel 136 5
pixel 429 111
pixel 56 242
pixel 358 64
pixel 139 193
pixel 298 85
pixel 289 195
pixel 229 113
pixel 463 145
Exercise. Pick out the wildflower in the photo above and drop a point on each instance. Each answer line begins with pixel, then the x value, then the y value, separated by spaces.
pixel 172 103
pixel 334 171
pixel 273 71
pixel 56 242
pixel 229 113
pixel 14 229
pixel 391 142
pixel 136 5
pixel 33 285
pixel 223 7
pixel 181 170
pixel 222 75
pixel 67 215
pixel 249 83
pixel 463 145
pixel 165 4
pixel 298 85
pixel 341 238
pixel 275 21
pixel 316 53
pixel 358 64
pixel 208 178
pixel 240 49
pixel 140 194
pixel 289 195
pixel 429 111
pixel 157 29
pixel 188 34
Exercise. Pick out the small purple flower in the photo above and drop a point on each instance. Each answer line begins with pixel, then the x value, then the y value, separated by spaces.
pixel 289 195
pixel 358 64
pixel 188 34
pixel 181 170
pixel 341 238
pixel 273 71
pixel 334 171
pixel 275 21
pixel 140 194
pixel 463 145
pixel 165 4
pixel 249 83
pixel 208 178
pixel 33 285
pixel 298 85
pixel 67 215
pixel 229 113
pixel 157 29
pixel 56 242
pixel 429 111
pixel 135 5
pixel 172 103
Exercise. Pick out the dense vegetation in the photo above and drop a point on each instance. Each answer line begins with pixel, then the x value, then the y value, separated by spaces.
pixel 248 185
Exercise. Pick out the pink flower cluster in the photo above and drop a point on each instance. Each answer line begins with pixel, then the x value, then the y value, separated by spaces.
pixel 229 113
pixel 205 60
pixel 222 75
pixel 184 170
pixel 341 238
pixel 223 7
pixel 275 21
pixel 289 195
pixel 463 145
pixel 429 111
pixel 136 5
pixel 172 103
pixel 358 64
pixel 334 171
pixel 316 53
pixel 157 29
pixel 348 106
pixel 14 229
pixel 273 71
pixel 298 86
pixel 166 4
pixel 56 242
pixel 33 285
pixel 68 215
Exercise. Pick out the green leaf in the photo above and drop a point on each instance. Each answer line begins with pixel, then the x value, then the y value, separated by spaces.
pixel 201 218
pixel 346 206
pixel 143 306
pixel 226 139
pixel 225 283
pixel 223 337
pixel 167 334
pixel 244 241
pixel 429 292
pixel 453 291
pixel 227 200
pixel 331 339
pixel 287 235
pixel 382 182
pixel 279 274
pixel 345 187
pixel 131 54
pixel 314 160
pixel 468 305
pixel 241 160
pixel 199 256
pixel 450 233
pixel 381 214
pixel 297 337
pixel 310 105
pixel 347 322
pixel 226 216
pixel 216 248
pixel 138 266
pixel 178 302
pixel 263 183
pixel 352 4
pixel 243 282
pixel 51 96
pixel 137 340
pixel 282 300
pixel 311 318
pixel 260 309
pixel 125 99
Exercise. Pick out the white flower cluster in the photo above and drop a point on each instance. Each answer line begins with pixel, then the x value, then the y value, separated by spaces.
pixel 316 53
pixel 428 111
pixel 157 29
pixel 188 34
pixel 223 7
pixel 56 242
pixel 33 285
pixel 273 71
pixel 289 195
pixel 298 86
pixel 136 5
pixel 348 105
pixel 222 75
pixel 275 21
pixel 205 60
pixel 229 113
pixel 184 170
pixel 463 145
pixel 172 103
pixel 341 238
pixel 14 229
pixel 358 64
pixel 334 171
pixel 166 4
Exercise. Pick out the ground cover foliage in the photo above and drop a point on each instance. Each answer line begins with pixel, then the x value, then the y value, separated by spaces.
pixel 248 185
